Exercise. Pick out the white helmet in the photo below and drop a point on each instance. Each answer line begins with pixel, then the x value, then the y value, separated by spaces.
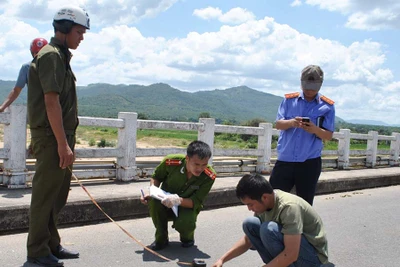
pixel 71 15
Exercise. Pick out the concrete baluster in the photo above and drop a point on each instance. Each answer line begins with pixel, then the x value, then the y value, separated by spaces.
pixel 372 149
pixel 394 150
pixel 264 145
pixel 206 134
pixel 126 162
pixel 14 165
pixel 344 149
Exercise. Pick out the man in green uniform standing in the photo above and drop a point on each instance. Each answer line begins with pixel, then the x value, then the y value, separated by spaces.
pixel 53 117
pixel 189 179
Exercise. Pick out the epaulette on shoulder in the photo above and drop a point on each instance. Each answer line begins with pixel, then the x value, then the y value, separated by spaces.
pixel 210 173
pixel 173 162
pixel 327 100
pixel 292 95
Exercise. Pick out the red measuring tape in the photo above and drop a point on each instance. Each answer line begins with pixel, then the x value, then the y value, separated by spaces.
pixel 123 229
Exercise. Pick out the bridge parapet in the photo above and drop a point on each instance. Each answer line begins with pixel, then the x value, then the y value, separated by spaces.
pixel 125 163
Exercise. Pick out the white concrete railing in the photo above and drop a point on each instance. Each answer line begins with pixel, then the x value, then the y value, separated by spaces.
pixel 15 173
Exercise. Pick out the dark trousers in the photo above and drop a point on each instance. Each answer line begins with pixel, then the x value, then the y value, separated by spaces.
pixel 50 188
pixel 303 175
pixel 185 223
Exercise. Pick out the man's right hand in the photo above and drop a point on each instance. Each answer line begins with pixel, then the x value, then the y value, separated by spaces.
pixel 287 124
pixel 66 155
pixel 296 122
pixel 145 199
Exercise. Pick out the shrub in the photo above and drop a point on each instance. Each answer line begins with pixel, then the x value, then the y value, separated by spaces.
pixel 104 143
pixel 92 142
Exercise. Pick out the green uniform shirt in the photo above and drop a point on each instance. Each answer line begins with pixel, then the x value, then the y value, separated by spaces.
pixel 298 217
pixel 172 174
pixel 50 71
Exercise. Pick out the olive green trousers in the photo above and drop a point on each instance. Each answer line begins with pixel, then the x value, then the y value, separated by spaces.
pixel 50 188
pixel 185 223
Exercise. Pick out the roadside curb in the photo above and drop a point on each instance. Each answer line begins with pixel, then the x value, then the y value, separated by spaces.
pixel 338 185
pixel 14 219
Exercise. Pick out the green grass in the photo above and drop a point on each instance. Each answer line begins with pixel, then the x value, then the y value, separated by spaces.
pixel 332 145
pixel 93 135
pixel 97 133
pixel 167 134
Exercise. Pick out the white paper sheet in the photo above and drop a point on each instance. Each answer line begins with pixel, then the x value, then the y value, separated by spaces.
pixel 158 193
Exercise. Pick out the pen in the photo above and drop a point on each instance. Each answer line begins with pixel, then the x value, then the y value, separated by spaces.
pixel 141 190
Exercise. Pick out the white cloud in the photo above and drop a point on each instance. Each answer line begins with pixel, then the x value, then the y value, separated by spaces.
pixel 392 87
pixel 332 5
pixel 261 54
pixel 15 38
pixel 101 12
pixel 234 16
pixel 364 14
pixel 208 13
pixel 296 3
pixel 127 11
pixel 363 102
pixel 363 61
pixel 375 19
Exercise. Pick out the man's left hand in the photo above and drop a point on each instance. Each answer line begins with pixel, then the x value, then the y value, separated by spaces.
pixel 309 127
pixel 171 200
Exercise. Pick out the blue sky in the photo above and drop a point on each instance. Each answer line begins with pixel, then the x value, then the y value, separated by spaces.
pixel 205 45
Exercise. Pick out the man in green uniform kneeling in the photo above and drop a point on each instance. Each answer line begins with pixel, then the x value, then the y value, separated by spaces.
pixel 189 179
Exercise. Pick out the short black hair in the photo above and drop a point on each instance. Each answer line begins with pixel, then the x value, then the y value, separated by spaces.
pixel 253 186
pixel 63 26
pixel 199 148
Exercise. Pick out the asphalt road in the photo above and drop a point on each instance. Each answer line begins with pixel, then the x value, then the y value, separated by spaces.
pixel 363 230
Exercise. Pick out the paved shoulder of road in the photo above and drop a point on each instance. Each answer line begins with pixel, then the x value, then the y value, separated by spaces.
pixel 362 230
pixel 121 200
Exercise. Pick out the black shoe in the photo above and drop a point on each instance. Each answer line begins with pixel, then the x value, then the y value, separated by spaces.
pixel 159 246
pixel 49 261
pixel 187 244
pixel 63 253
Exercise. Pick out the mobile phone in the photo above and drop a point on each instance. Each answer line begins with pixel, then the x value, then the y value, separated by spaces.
pixel 305 119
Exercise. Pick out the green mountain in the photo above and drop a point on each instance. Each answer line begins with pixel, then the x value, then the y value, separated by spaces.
pixel 162 102
pixel 5 88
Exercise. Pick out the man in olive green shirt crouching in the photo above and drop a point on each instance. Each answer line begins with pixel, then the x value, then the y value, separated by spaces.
pixel 285 229
pixel 189 180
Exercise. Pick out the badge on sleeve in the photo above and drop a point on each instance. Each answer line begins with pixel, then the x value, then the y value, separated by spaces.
pixel 327 100
pixel 173 162
pixel 210 173
pixel 292 95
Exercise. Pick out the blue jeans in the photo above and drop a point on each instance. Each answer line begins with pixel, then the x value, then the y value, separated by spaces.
pixel 267 239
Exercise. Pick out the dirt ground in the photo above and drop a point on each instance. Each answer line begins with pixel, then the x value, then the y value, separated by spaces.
pixel 147 142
